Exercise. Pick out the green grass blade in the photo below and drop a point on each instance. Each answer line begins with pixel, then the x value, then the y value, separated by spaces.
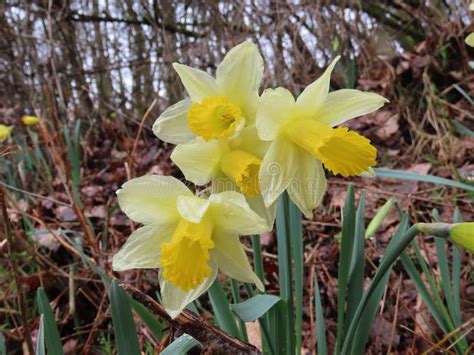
pixel 234 284
pixel 347 245
pixel 3 346
pixel 355 287
pixel 257 257
pixel 296 239
pixel 255 307
pixel 258 265
pixel 40 349
pixel 407 175
pixel 363 331
pixel 395 248
pixel 149 319
pixel 220 304
pixel 456 272
pixel 125 330
pixel 462 129
pixel 51 332
pixel 286 312
pixel 181 345
pixel 417 280
pixel 320 323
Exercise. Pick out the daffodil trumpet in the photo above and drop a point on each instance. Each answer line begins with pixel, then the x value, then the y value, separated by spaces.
pixel 303 138
pixel 188 237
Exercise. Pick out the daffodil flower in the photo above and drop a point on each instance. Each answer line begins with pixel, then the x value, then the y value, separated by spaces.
pixel 30 120
pixel 188 237
pixel 214 129
pixel 303 138
pixel 462 234
pixel 5 132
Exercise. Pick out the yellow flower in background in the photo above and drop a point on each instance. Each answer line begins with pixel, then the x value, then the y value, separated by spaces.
pixel 30 120
pixel 303 138
pixel 470 40
pixel 188 237
pixel 462 234
pixel 214 129
pixel 5 132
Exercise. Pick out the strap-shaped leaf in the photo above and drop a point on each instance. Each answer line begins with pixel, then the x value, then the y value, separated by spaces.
pixel 255 307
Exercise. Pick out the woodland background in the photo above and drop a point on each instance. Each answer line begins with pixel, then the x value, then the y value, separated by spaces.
pixel 98 73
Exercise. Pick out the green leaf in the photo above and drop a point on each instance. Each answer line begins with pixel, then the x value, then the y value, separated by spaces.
pixel 220 304
pixel 286 330
pixel 181 345
pixel 255 307
pixel 40 350
pixel 296 239
pixel 234 286
pixel 456 272
pixel 394 249
pixel 148 318
pixel 355 287
pixel 362 333
pixel 407 175
pixel 462 129
pixel 51 332
pixel 320 323
pixel 375 223
pixel 3 346
pixel 347 246
pixel 125 330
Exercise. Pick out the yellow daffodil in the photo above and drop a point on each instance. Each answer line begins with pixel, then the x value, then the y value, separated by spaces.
pixel 30 120
pixel 5 132
pixel 188 237
pixel 214 129
pixel 462 234
pixel 303 139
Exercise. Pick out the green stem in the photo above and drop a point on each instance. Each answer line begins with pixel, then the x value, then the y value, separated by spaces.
pixel 286 314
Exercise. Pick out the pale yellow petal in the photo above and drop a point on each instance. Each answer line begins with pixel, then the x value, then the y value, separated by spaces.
pixel 342 105
pixel 199 160
pixel 231 213
pixel 470 40
pixel 198 83
pixel 172 125
pixel 175 300
pixel 230 257
pixel 267 213
pixel 192 208
pixel 248 141
pixel 277 168
pixel 275 108
pixel 308 185
pixel 239 76
pixel 143 248
pixel 316 93
pixel 151 198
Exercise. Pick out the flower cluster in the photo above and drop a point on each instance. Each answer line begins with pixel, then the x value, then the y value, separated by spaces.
pixel 251 149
